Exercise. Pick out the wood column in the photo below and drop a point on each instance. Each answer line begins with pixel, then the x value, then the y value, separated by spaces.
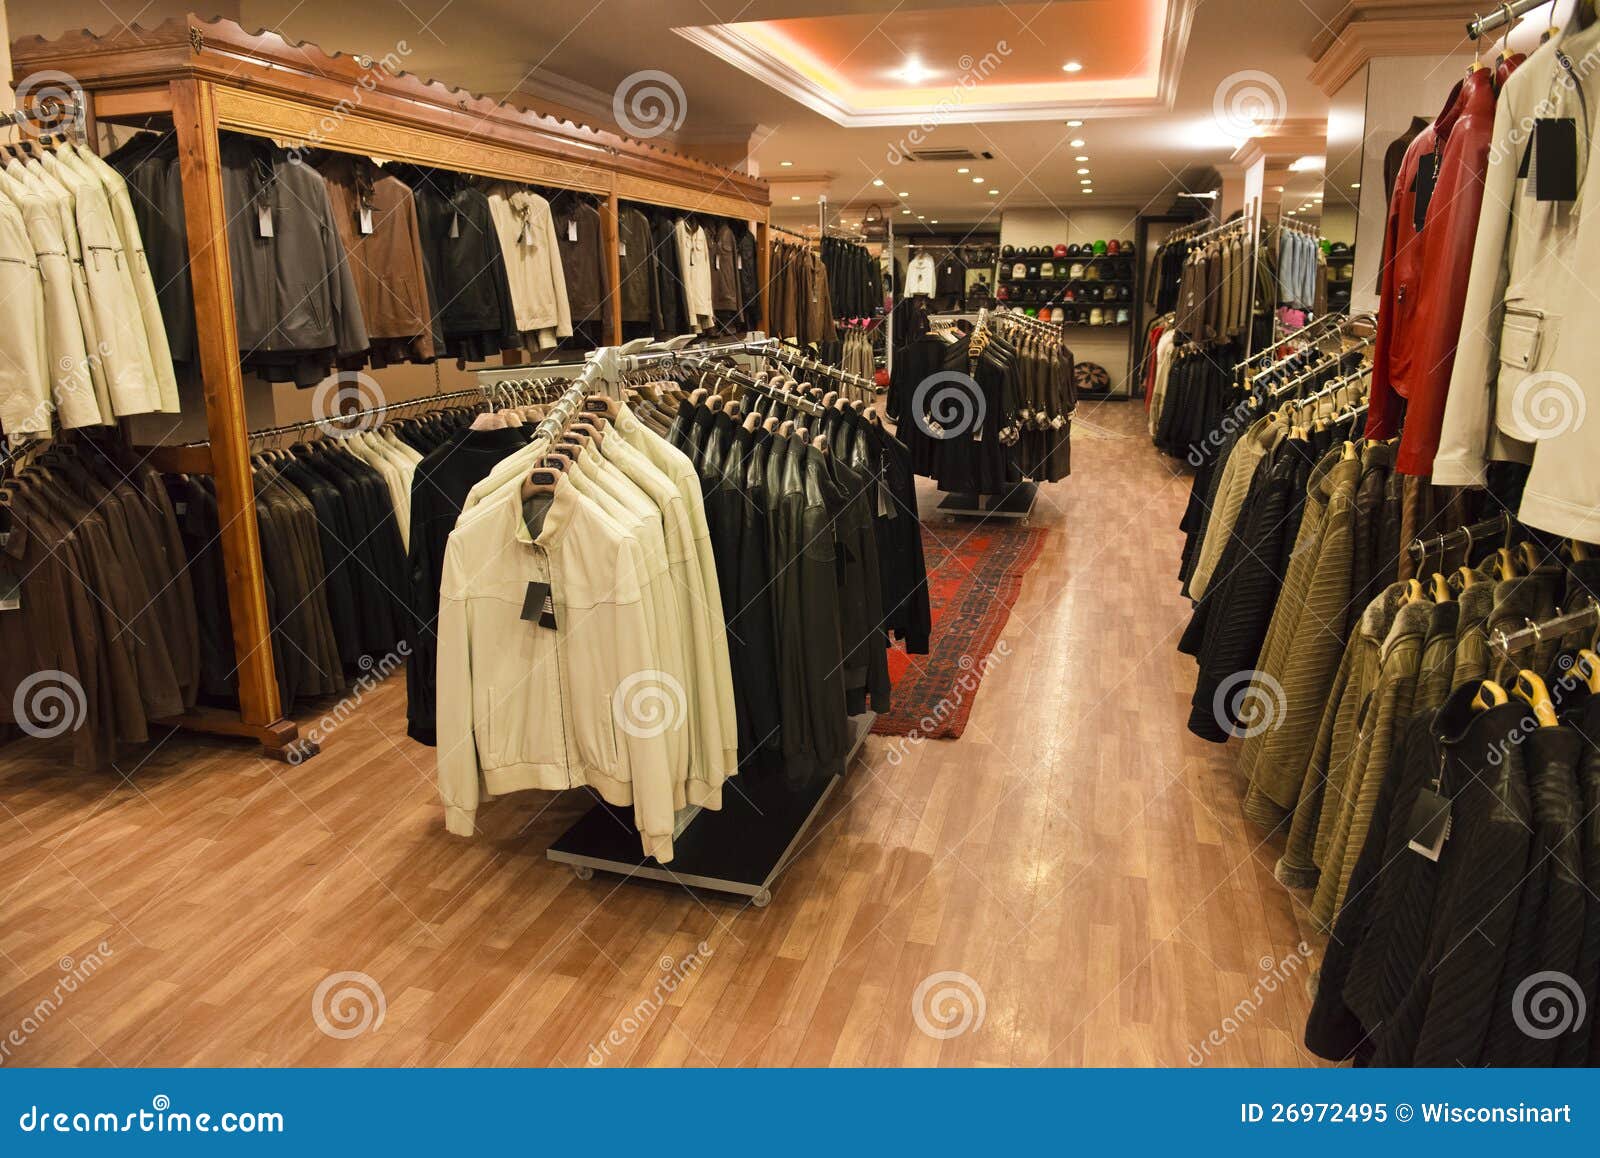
pixel 611 243
pixel 764 270
pixel 194 118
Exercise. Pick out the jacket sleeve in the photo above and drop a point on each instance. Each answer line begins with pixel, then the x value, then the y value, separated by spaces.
pixel 458 747
pixel 1464 430
pixel 558 277
pixel 1384 406
pixel 349 327
pixel 645 753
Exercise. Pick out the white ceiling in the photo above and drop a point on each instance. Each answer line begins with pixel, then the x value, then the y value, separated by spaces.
pixel 590 47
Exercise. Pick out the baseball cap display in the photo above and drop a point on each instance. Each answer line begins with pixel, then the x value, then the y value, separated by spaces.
pixel 1099 247
pixel 1019 271
pixel 1077 271
pixel 1047 269
pixel 1122 316
pixel 1113 246
pixel 1061 251
pixel 1097 316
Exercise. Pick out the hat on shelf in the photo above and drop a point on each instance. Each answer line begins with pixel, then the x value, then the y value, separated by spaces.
pixel 1019 271
pixel 1097 316
pixel 1061 251
pixel 1047 270
pixel 1113 246
pixel 1122 316
pixel 1099 247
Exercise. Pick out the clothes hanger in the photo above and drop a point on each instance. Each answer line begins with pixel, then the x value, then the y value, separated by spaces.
pixel 1490 695
pixel 1505 564
pixel 1589 665
pixel 1530 560
pixel 1440 587
pixel 1531 690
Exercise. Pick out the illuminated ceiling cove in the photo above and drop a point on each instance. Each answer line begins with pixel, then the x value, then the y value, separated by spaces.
pixel 1001 62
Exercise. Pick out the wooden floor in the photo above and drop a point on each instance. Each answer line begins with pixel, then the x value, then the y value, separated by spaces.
pixel 1070 883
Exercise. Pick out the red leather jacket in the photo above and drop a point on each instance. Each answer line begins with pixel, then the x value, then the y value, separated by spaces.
pixel 1452 228
pixel 1394 358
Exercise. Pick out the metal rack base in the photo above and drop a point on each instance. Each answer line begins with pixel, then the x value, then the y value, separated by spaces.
pixel 1016 503
pixel 738 849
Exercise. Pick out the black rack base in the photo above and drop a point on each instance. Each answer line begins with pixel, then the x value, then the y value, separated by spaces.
pixel 738 849
pixel 1016 503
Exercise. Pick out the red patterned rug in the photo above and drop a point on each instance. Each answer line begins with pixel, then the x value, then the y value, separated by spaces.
pixel 974 575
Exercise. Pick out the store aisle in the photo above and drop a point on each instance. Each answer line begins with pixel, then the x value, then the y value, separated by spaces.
pixel 1070 883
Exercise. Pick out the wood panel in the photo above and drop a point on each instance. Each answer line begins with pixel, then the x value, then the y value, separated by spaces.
pixel 194 117
pixel 1077 854
pixel 726 203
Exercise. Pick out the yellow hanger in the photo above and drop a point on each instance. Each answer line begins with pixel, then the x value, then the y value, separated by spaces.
pixel 1466 576
pixel 1530 556
pixel 1505 564
pixel 1531 690
pixel 1490 695
pixel 1349 451
pixel 1589 665
pixel 1413 591
pixel 1441 588
pixel 1580 551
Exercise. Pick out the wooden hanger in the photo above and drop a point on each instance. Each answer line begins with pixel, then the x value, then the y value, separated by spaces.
pixel 1589 665
pixel 540 480
pixel 1531 690
pixel 1414 591
pixel 1530 556
pixel 1466 577
pixel 1505 564
pixel 1490 695
pixel 1440 587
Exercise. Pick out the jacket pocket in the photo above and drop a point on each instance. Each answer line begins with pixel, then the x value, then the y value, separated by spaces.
pixel 491 738
pixel 1523 336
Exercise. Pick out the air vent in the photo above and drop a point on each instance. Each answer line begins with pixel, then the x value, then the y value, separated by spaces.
pixel 941 155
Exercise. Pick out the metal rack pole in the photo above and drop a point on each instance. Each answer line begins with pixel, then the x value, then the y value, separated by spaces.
pixel 1478 26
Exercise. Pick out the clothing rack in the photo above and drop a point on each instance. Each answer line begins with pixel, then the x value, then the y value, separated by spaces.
pixel 1534 634
pixel 199 78
pixel 800 237
pixel 1479 26
pixel 1501 525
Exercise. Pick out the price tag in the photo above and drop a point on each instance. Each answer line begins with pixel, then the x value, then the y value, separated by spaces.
pixel 1430 824
pixel 716 262
pixel 622 248
pixel 366 220
pixel 455 225
pixel 738 262
pixel 572 230
pixel 538 606
pixel 264 220
pixel 526 236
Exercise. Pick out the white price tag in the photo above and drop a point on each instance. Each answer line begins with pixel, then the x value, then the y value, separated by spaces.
pixel 622 249
pixel 455 225
pixel 264 220
pixel 366 220
pixel 572 230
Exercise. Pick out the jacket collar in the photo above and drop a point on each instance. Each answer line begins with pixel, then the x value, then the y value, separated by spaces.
pixel 557 519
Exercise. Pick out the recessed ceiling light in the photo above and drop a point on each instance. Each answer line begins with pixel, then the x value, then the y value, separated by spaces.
pixel 786 164
pixel 794 198
pixel 1086 180
pixel 1291 213
pixel 1355 184
pixel 963 169
pixel 1081 172
pixel 994 192
pixel 935 221
pixel 912 72
pixel 878 181
pixel 1072 66
pixel 920 217
pixel 1081 157
pixel 902 194
pixel 1077 143
pixel 1086 189
pixel 1277 188
pixel 905 213
pixel 1074 124
pixel 977 180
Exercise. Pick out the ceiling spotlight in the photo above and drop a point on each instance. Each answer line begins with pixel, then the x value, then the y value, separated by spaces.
pixel 902 194
pixel 1086 189
pixel 920 217
pixel 1074 124
pixel 912 72
pixel 1081 172
pixel 786 164
pixel 1291 213
pixel 1355 184
pixel 1277 188
pixel 1077 143
pixel 1086 180
pixel 963 169
pixel 994 192
pixel 905 213
pixel 1072 66
pixel 935 221
pixel 877 182
pixel 794 198
pixel 1081 157
pixel 977 180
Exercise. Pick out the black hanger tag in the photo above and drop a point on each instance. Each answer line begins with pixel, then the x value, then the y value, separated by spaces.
pixel 1555 159
pixel 1427 178
pixel 1430 823
pixel 538 607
